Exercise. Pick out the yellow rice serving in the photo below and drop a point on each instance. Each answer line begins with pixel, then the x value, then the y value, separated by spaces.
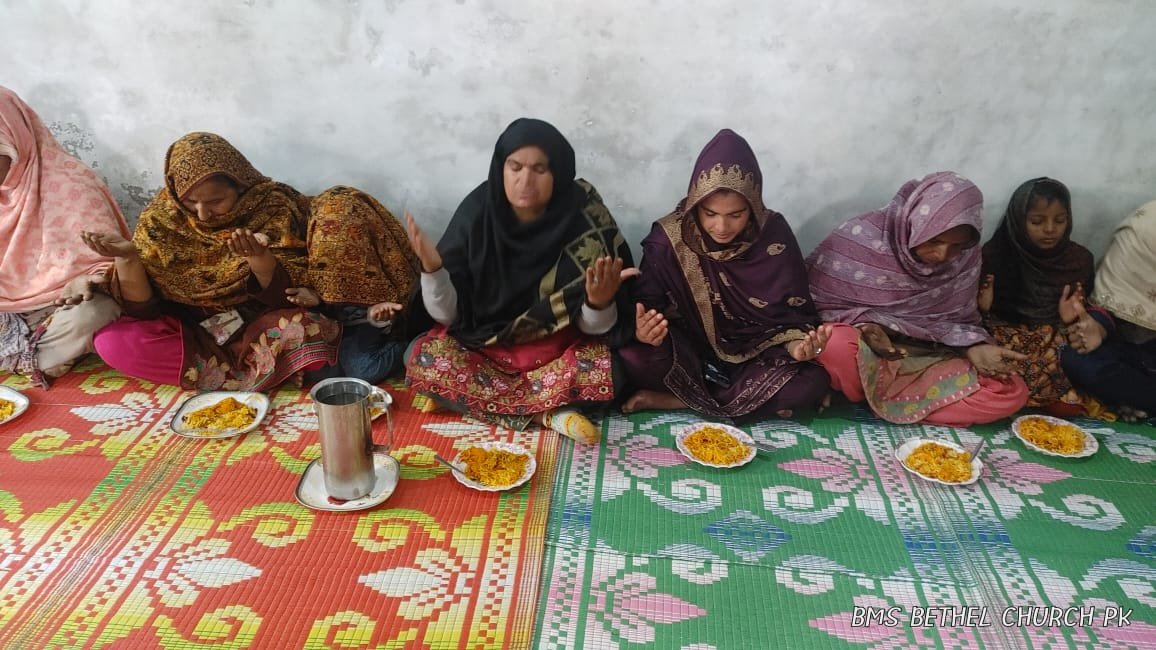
pixel 934 460
pixel 716 446
pixel 7 408
pixel 228 413
pixel 493 467
pixel 1060 438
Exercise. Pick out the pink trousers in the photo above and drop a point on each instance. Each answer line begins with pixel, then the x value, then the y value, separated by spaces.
pixel 995 399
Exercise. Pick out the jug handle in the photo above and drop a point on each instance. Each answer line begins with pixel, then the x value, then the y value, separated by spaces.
pixel 383 400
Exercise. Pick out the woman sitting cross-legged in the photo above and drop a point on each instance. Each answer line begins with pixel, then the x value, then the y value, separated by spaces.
pixel 902 282
pixel 1112 352
pixel 52 298
pixel 524 286
pixel 725 322
pixel 203 281
pixel 1032 271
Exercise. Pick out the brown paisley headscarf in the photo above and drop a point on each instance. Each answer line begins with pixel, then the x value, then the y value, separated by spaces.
pixel 188 260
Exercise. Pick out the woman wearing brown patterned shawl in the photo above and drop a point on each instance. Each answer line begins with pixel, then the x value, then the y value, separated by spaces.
pixel 361 271
pixel 210 278
pixel 524 284
pixel 726 325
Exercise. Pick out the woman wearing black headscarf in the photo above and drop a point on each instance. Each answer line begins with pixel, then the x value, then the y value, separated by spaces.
pixel 1033 273
pixel 524 286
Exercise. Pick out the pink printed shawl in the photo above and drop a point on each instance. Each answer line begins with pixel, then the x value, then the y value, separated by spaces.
pixel 865 272
pixel 46 199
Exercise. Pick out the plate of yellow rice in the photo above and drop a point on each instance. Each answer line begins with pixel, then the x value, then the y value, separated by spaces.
pixel 12 404
pixel 939 461
pixel 220 414
pixel 715 445
pixel 494 466
pixel 1054 437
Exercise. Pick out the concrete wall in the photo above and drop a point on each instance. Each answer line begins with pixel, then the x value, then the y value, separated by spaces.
pixel 843 100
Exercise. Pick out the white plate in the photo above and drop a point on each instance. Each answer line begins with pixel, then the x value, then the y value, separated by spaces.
pixel 17 398
pixel 906 448
pixel 311 489
pixel 531 466
pixel 256 400
pixel 743 437
pixel 1091 445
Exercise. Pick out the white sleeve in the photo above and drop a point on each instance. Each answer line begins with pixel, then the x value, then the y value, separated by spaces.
pixel 597 321
pixel 439 296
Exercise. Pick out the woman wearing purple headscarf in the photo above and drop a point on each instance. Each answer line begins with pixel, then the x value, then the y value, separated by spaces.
pixel 725 322
pixel 905 277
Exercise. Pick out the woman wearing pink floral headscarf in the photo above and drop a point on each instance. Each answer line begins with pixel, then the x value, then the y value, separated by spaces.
pixel 903 280
pixel 49 305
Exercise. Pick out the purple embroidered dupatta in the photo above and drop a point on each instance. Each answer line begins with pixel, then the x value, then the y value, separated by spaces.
pixel 731 305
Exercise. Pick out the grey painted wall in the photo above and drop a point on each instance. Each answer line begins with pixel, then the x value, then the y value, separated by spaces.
pixel 843 100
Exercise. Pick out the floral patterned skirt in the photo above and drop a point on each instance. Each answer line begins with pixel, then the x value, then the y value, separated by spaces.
pixel 272 348
pixel 907 390
pixel 523 379
pixel 1042 372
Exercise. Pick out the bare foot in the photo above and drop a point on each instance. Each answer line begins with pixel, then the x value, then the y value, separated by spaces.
pixel 652 400
pixel 1129 414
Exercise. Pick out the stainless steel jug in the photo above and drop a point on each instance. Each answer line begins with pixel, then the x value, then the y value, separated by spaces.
pixel 345 426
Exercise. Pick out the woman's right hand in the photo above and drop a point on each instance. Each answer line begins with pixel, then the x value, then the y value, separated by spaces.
pixel 1071 301
pixel 109 244
pixel 81 289
pixel 1085 334
pixel 426 250
pixel 880 343
pixel 650 327
pixel 993 361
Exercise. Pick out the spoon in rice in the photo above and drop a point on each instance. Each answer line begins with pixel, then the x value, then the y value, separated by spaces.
pixel 451 466
pixel 975 452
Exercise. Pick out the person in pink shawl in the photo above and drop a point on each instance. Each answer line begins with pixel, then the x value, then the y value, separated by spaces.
pixel 901 282
pixel 50 302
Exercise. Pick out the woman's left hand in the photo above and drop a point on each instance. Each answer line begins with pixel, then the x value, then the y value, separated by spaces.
pixel 245 243
pixel 80 289
pixel 384 312
pixel 603 280
pixel 810 346
pixel 993 361
pixel 302 297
